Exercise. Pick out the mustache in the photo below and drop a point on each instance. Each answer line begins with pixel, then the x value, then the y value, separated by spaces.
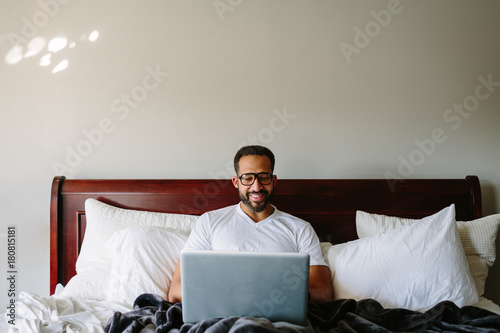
pixel 258 192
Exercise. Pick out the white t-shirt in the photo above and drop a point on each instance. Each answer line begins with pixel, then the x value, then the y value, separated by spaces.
pixel 230 229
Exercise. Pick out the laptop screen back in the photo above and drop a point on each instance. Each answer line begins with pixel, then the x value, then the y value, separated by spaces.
pixel 271 285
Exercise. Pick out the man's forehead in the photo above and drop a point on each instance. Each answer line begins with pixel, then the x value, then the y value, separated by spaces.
pixel 254 161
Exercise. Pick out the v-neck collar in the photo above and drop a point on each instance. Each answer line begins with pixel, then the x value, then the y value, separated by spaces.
pixel 248 219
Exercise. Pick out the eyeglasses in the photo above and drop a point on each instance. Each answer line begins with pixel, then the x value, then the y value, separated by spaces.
pixel 247 179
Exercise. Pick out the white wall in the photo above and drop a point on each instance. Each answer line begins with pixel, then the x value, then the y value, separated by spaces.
pixel 338 89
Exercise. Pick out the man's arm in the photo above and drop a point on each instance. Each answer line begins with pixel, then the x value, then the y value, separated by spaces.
pixel 198 240
pixel 320 284
pixel 175 290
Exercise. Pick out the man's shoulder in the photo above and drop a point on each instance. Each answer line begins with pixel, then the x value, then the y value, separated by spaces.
pixel 290 218
pixel 221 211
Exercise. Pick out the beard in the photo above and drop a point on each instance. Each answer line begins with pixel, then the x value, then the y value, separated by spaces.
pixel 259 207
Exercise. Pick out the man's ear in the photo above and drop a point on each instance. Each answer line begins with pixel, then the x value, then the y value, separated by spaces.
pixel 275 180
pixel 235 181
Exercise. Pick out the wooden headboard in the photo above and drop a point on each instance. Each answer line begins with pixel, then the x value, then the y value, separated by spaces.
pixel 330 205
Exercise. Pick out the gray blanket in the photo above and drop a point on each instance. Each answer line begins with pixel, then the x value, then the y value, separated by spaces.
pixel 153 313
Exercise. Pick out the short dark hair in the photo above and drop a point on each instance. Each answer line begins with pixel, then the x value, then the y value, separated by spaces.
pixel 253 150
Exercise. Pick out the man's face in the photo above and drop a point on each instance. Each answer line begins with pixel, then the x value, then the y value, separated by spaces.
pixel 256 196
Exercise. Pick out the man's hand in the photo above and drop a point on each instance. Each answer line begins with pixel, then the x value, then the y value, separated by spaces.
pixel 320 284
pixel 175 290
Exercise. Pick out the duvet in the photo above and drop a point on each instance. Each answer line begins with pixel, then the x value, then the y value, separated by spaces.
pixel 150 313
pixel 346 315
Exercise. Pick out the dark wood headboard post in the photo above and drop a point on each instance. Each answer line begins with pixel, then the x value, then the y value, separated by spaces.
pixel 54 230
pixel 476 199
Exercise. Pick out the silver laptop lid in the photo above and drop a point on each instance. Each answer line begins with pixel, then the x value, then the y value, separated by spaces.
pixel 271 285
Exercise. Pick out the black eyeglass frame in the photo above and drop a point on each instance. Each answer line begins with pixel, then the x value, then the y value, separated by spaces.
pixel 256 176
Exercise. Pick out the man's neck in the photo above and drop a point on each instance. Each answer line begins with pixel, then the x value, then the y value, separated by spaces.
pixel 260 216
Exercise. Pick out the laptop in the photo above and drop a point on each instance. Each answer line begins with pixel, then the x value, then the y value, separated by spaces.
pixel 272 285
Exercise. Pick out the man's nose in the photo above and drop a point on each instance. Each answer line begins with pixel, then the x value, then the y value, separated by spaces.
pixel 256 186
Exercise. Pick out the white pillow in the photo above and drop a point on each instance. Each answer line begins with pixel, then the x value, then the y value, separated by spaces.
pixel 478 239
pixel 90 284
pixel 144 260
pixel 94 262
pixel 103 220
pixel 415 266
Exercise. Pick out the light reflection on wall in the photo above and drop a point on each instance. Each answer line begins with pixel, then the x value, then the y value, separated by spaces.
pixel 39 46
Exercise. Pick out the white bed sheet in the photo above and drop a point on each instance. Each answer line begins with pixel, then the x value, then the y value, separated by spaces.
pixel 52 314
pixel 58 314
pixel 487 304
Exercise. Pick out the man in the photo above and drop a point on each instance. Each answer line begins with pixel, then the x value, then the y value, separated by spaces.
pixel 256 225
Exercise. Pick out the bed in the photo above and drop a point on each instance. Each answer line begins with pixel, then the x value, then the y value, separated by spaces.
pixel 344 213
